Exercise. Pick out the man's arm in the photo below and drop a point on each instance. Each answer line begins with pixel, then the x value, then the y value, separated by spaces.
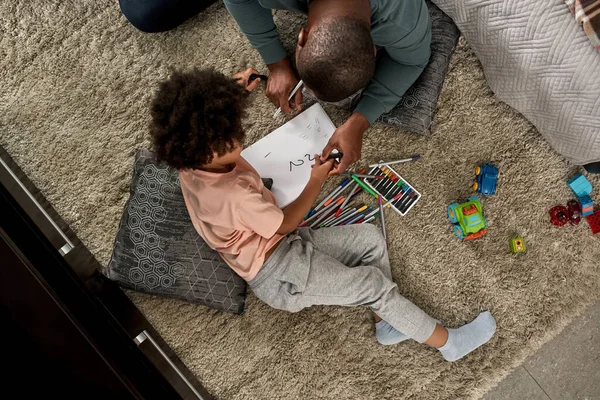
pixel 256 22
pixel 403 28
pixel 406 54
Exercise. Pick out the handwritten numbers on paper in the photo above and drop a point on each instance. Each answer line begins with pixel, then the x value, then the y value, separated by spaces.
pixel 300 162
pixel 310 128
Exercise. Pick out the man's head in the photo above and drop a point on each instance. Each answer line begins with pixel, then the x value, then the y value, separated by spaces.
pixel 336 57
pixel 197 119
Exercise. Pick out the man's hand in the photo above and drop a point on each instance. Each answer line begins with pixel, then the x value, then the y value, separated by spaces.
pixel 348 140
pixel 243 78
pixel 320 170
pixel 282 80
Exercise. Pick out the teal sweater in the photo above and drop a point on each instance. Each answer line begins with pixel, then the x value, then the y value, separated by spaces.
pixel 401 27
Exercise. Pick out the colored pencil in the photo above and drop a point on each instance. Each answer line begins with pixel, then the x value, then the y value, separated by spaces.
pixel 410 201
pixel 379 198
pixel 330 212
pixel 379 185
pixel 402 203
pixel 332 221
pixel 364 186
pixel 363 175
pixel 329 196
pixel 379 164
pixel 403 198
pixel 368 219
pixel 390 181
pixel 338 201
pixel 396 197
pixel 345 217
pixel 351 220
pixel 409 204
pixel 348 199
pixel 298 86
pixel 398 188
pixel 393 181
pixel 375 211
pixel 335 216
pixel 323 216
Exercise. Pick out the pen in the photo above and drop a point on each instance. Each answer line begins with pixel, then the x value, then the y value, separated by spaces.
pixel 368 219
pixel 329 196
pixel 336 155
pixel 379 198
pixel 341 220
pixel 363 185
pixel 256 76
pixel 356 218
pixel 333 219
pixel 326 215
pixel 289 98
pixel 356 186
pixel 380 164
pixel 363 175
pixel 320 213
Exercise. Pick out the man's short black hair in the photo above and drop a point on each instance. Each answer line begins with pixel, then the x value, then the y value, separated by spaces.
pixel 337 59
pixel 195 114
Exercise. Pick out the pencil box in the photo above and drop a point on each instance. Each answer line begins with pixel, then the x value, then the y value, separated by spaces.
pixel 393 186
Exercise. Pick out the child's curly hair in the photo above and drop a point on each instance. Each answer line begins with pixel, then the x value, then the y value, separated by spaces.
pixel 195 114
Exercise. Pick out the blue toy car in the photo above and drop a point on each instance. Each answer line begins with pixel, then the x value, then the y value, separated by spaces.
pixel 487 178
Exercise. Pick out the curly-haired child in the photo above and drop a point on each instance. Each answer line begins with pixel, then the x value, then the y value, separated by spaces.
pixel 197 128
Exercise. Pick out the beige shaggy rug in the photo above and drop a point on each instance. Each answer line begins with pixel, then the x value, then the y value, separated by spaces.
pixel 76 80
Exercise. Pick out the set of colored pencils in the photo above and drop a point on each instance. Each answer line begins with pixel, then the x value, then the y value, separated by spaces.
pixel 381 181
pixel 333 210
pixel 394 190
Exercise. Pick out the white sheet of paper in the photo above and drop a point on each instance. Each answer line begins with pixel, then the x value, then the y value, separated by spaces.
pixel 286 154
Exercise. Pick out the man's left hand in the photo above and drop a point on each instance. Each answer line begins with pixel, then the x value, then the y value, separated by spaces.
pixel 347 139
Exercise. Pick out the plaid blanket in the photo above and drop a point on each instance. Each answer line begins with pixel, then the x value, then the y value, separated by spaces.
pixel 587 13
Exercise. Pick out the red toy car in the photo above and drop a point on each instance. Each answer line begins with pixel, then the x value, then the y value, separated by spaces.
pixel 559 215
pixel 574 211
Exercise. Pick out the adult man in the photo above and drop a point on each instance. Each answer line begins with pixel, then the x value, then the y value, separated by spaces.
pixel 335 56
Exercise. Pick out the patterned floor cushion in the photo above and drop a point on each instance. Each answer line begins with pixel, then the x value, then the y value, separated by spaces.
pixel 158 251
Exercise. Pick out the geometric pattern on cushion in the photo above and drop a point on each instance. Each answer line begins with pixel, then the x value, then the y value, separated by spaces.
pixel 540 62
pixel 158 251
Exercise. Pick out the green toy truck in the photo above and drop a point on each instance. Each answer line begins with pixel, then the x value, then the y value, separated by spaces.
pixel 467 218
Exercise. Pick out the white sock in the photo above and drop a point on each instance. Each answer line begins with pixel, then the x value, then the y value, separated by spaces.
pixel 387 334
pixel 468 337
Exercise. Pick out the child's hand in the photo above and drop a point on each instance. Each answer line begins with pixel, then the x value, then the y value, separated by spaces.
pixel 243 78
pixel 320 170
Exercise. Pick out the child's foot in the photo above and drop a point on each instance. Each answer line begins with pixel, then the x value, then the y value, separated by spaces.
pixel 387 334
pixel 468 337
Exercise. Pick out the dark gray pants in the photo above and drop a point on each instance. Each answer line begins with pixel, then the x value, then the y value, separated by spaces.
pixel 160 15
pixel 345 266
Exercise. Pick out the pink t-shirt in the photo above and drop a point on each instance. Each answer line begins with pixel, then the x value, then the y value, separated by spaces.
pixel 234 213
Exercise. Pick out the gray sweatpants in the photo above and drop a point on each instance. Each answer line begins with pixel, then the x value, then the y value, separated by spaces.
pixel 346 266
